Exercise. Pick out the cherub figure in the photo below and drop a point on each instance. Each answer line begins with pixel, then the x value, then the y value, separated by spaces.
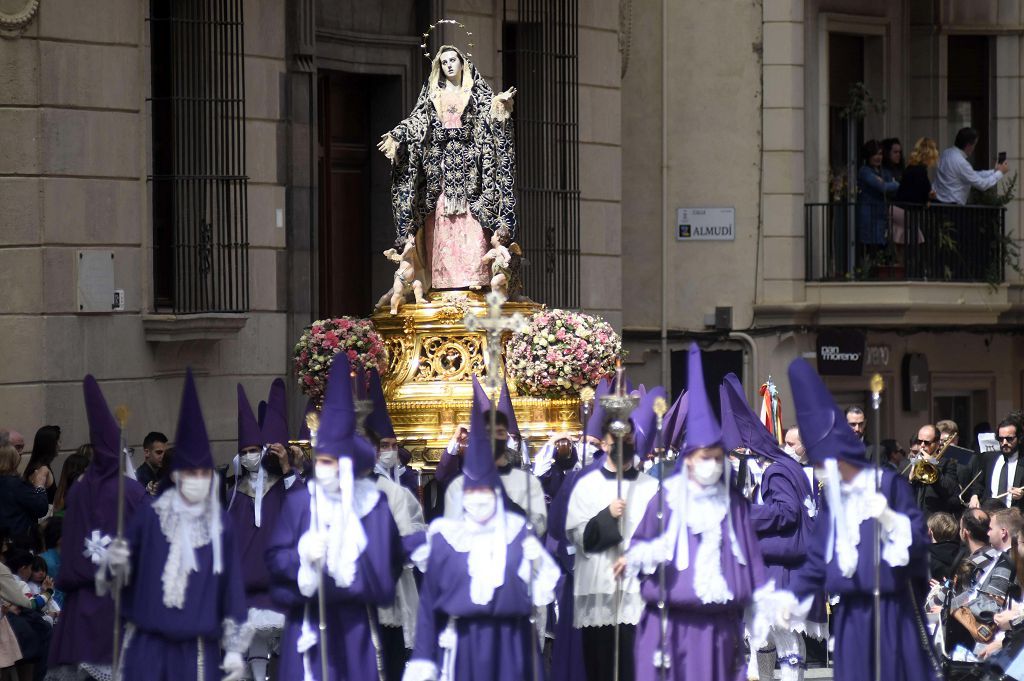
pixel 500 258
pixel 406 277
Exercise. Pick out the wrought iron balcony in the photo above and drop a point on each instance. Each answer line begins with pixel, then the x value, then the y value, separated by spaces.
pixel 935 242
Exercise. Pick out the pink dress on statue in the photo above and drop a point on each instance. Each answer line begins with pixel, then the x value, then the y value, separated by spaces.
pixel 455 243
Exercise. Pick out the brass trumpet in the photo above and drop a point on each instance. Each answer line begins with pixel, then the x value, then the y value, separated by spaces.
pixel 926 472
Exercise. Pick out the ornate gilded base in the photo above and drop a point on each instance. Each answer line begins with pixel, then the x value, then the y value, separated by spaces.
pixel 428 383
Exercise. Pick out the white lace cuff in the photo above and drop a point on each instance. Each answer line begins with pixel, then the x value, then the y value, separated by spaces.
pixel 420 670
pixel 545 571
pixel 420 556
pixel 897 539
pixel 236 637
pixel 307 580
pixel 644 557
pixel 772 608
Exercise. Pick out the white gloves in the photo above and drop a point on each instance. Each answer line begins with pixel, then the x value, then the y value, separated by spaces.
pixel 233 667
pixel 118 555
pixel 878 507
pixel 312 546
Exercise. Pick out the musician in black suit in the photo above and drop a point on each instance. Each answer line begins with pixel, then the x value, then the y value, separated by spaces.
pixel 941 495
pixel 1004 473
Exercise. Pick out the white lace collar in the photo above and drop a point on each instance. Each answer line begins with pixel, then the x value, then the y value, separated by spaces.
pixel 339 514
pixel 486 546
pixel 702 510
pixel 187 527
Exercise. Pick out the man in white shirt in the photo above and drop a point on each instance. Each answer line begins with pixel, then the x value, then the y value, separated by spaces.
pixel 955 176
pixel 1004 478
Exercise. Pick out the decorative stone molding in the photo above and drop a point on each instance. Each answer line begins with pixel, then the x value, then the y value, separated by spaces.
pixel 168 328
pixel 16 15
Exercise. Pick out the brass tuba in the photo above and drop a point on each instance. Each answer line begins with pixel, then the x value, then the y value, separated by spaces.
pixel 926 472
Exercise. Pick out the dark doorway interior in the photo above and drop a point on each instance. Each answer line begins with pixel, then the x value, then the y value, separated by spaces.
pixel 968 93
pixel 716 364
pixel 355 223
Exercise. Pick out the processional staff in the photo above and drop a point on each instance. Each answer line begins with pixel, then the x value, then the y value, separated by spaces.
pixel 494 325
pixel 662 660
pixel 877 386
pixel 119 575
pixel 619 406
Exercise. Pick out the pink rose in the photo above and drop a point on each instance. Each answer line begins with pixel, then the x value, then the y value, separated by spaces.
pixel 352 355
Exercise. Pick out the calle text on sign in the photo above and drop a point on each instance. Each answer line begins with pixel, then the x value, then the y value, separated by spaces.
pixel 706 224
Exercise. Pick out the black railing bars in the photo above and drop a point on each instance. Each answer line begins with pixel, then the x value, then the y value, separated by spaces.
pixel 199 185
pixel 935 242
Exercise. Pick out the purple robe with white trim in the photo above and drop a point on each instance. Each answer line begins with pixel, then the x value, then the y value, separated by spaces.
pixel 493 639
pixel 705 640
pixel 167 642
pixel 252 541
pixel 906 655
pixel 84 632
pixel 351 612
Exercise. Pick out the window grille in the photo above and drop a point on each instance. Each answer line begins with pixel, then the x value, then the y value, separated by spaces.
pixel 198 182
pixel 540 59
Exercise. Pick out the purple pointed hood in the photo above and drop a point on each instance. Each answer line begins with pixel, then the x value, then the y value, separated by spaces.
pixel 337 432
pixel 104 433
pixel 191 443
pixel 248 426
pixel 731 438
pixel 379 420
pixel 823 427
pixel 261 413
pixel 596 420
pixel 274 428
pixel 646 421
pixel 702 428
pixel 675 421
pixel 752 432
pixel 505 406
pixel 304 433
pixel 479 468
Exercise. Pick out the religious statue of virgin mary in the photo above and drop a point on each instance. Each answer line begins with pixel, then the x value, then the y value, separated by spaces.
pixel 453 165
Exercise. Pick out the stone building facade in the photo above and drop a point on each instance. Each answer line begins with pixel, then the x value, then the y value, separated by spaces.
pixel 663 106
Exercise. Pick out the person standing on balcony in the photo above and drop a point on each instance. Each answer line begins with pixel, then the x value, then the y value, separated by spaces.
pixel 955 176
pixel 892 157
pixel 873 184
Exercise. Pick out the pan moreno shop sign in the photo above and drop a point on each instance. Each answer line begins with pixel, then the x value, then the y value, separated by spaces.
pixel 841 353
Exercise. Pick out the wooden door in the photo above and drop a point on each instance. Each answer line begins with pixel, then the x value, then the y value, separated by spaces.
pixel 344 221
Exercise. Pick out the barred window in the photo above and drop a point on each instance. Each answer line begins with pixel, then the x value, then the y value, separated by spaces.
pixel 199 185
pixel 540 59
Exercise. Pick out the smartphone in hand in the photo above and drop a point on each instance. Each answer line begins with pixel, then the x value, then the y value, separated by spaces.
pixel 1001 158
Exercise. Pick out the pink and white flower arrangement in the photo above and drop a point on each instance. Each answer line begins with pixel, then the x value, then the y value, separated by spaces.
pixel 561 352
pixel 325 338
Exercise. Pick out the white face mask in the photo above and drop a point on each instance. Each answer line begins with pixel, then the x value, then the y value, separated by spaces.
pixel 250 461
pixel 707 471
pixel 388 458
pixel 479 506
pixel 327 477
pixel 194 490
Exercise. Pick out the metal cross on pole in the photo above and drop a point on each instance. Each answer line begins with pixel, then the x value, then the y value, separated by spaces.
pixel 619 406
pixel 494 325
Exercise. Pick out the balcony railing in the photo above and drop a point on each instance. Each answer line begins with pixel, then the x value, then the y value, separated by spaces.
pixel 865 242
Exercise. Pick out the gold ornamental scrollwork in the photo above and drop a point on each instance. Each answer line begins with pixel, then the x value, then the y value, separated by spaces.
pixel 449 358
pixel 16 15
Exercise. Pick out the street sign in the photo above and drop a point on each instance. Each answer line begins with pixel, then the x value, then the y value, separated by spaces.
pixel 706 224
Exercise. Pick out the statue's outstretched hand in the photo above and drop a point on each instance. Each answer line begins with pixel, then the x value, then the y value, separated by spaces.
pixel 501 105
pixel 388 146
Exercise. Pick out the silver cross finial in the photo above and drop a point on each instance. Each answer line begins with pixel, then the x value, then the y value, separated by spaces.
pixel 493 324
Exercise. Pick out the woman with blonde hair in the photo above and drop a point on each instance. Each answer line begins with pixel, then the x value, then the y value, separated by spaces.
pixel 916 188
